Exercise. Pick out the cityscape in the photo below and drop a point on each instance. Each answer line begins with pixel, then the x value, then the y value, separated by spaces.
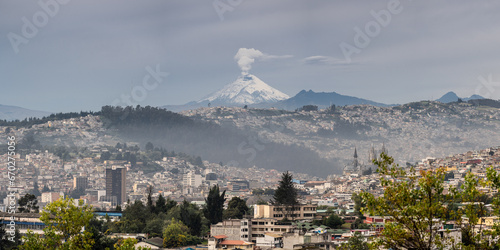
pixel 236 124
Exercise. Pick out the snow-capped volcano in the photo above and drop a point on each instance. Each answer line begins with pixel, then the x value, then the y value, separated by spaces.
pixel 247 89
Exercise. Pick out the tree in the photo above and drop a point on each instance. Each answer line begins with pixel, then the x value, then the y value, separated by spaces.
pixel 416 205
pixel 105 156
pixel 356 242
pixel 154 226
pixel 175 234
pixel 29 142
pixel 28 204
pixel 285 195
pixel 236 208
pixel 214 205
pixel 45 189
pixel 258 191
pixel 334 221
pixel 6 240
pixel 198 162
pixel 191 217
pixel 65 222
pixel 161 205
pixel 150 205
pixel 358 205
pixel 308 108
pixel 97 229
pixel 149 146
pixel 35 190
pixel 134 218
pixel 128 244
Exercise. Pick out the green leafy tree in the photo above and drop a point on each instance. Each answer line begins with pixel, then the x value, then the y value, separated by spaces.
pixel 334 221
pixel 154 227
pixel 6 242
pixel 258 191
pixel 65 222
pixel 28 204
pixel 356 242
pixel 214 205
pixel 416 204
pixel 473 236
pixel 175 234
pixel 128 244
pixel 150 205
pixel 161 205
pixel 134 218
pixel 97 229
pixel 105 156
pixel 149 146
pixel 190 215
pixel 236 208
pixel 358 205
pixel 286 195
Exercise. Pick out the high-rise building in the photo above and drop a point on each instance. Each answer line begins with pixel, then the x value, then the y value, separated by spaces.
pixel 192 180
pixel 115 184
pixel 80 182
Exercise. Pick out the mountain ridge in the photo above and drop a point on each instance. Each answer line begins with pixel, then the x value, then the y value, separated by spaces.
pixel 10 113
pixel 320 99
pixel 453 97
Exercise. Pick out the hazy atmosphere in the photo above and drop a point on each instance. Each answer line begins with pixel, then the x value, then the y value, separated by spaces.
pixel 72 55
pixel 249 124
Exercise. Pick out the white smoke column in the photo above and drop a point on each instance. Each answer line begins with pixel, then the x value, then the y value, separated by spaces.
pixel 245 57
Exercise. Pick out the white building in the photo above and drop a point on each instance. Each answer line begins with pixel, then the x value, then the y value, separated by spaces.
pixel 51 196
pixel 191 180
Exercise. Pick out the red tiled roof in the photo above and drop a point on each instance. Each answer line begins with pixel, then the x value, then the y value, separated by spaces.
pixel 220 236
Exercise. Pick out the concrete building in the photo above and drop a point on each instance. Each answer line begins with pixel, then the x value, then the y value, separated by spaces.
pixel 80 182
pixel 270 240
pixel 230 228
pixel 300 240
pixel 51 196
pixel 252 230
pixel 115 185
pixel 191 180
pixel 23 222
pixel 221 242
pixel 238 185
pixel 299 212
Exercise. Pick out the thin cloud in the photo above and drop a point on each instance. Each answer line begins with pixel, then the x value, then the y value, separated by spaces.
pixel 324 60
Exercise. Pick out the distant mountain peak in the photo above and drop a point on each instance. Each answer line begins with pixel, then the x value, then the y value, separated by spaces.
pixel 452 97
pixel 247 89
pixel 320 99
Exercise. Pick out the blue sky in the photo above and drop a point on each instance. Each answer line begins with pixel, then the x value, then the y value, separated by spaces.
pixel 86 54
